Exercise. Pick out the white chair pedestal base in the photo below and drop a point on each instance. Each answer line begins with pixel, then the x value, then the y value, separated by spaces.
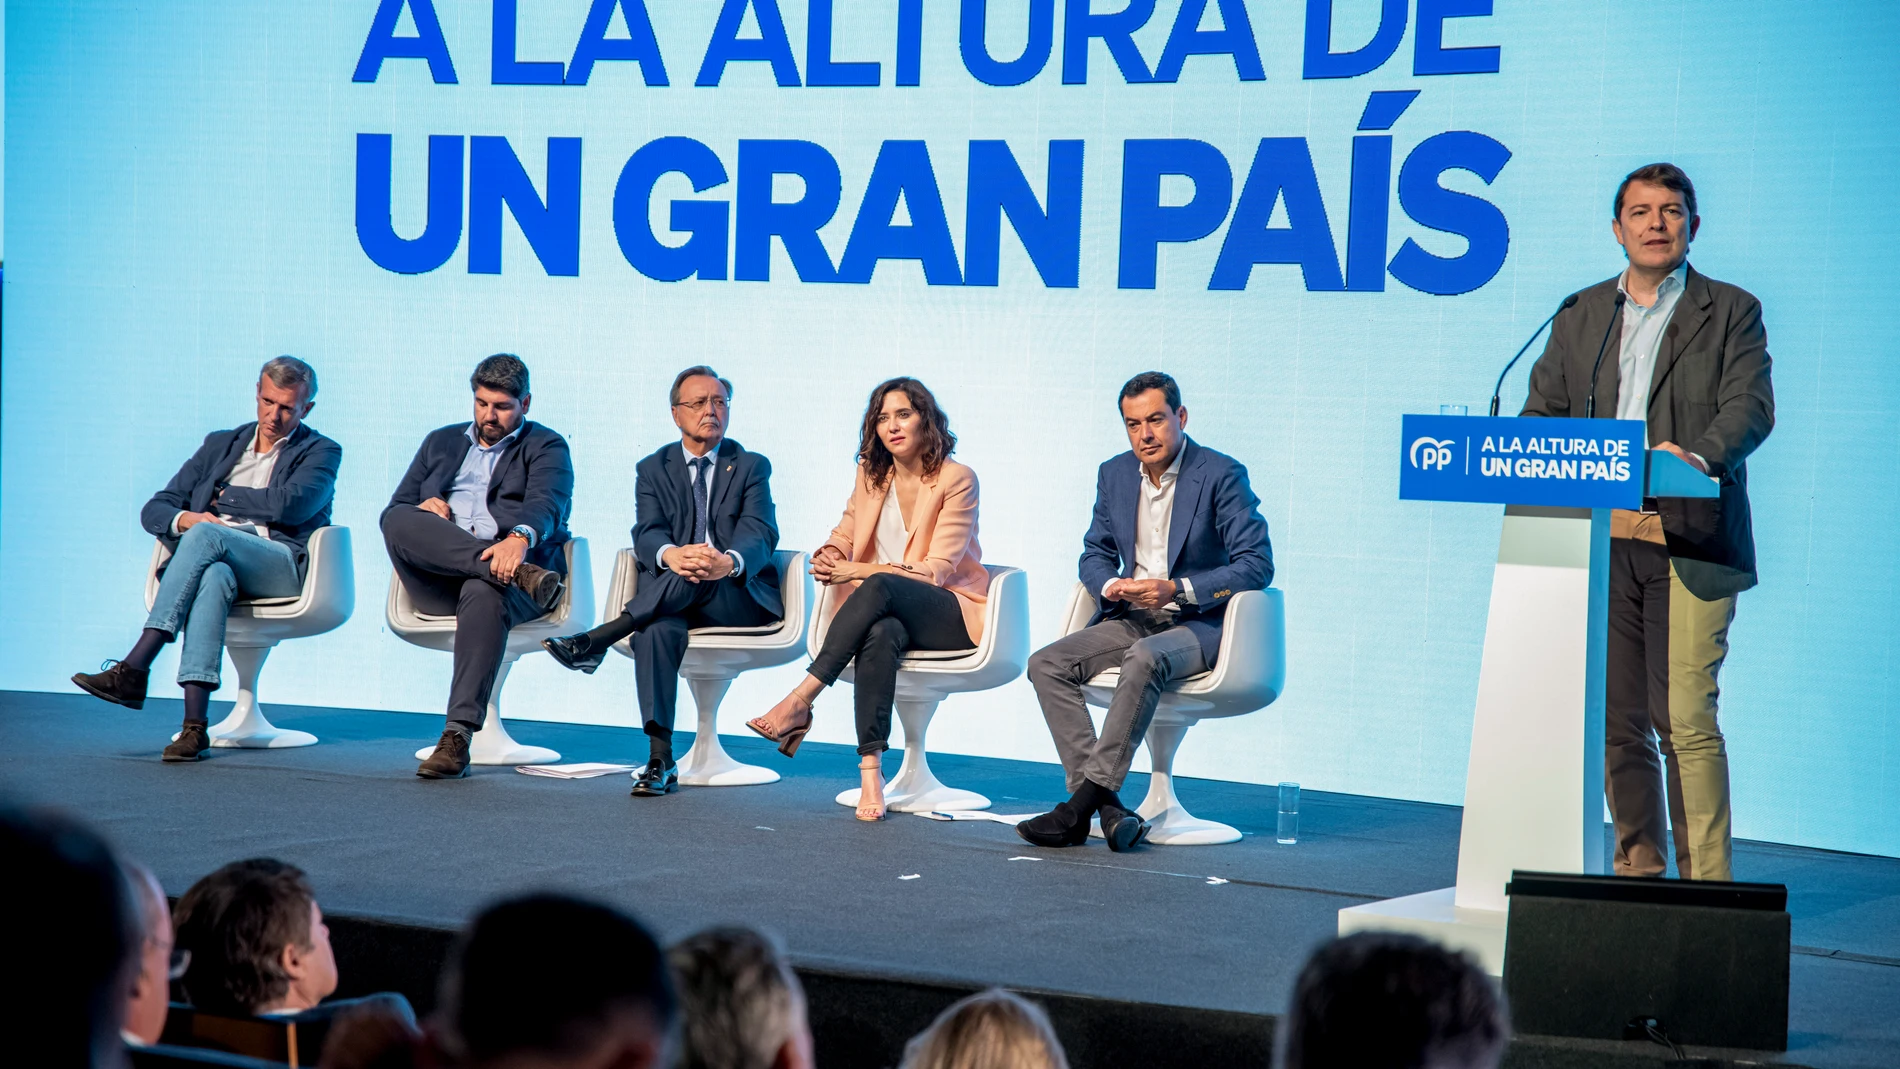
pixel 492 745
pixel 708 764
pixel 246 727
pixel 1170 824
pixel 916 789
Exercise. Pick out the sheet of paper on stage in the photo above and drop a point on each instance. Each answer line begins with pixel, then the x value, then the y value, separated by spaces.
pixel 583 770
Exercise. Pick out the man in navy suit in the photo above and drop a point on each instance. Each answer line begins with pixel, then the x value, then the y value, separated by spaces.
pixel 235 518
pixel 1177 532
pixel 703 536
pixel 475 530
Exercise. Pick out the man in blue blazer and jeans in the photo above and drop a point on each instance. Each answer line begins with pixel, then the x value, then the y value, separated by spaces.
pixel 1177 532
pixel 236 518
pixel 475 530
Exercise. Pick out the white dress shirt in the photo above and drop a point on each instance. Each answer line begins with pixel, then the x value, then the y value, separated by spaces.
pixel 252 472
pixel 712 472
pixel 1154 516
pixel 468 494
pixel 1642 341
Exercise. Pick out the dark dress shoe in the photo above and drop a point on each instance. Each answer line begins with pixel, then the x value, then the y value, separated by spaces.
pixel 574 651
pixel 542 586
pixel 450 759
pixel 1122 829
pixel 659 777
pixel 1062 826
pixel 192 741
pixel 117 682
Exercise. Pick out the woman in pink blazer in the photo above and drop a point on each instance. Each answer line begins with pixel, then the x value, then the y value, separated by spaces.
pixel 912 578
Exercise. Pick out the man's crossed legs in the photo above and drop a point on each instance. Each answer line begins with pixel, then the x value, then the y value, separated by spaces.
pixel 441 567
pixel 212 568
pixel 1151 652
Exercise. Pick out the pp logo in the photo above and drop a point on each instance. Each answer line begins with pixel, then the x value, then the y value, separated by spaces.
pixel 1431 454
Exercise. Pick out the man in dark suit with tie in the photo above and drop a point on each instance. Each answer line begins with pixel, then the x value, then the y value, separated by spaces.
pixel 236 519
pixel 1177 532
pixel 476 530
pixel 703 537
pixel 1664 343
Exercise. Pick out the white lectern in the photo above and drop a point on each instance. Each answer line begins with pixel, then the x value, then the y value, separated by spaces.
pixel 1534 782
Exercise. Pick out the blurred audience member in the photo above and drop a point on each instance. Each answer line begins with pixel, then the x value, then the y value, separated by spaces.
pixel 72 944
pixel 989 1030
pixel 740 1005
pixel 1383 1000
pixel 150 997
pixel 258 946
pixel 553 982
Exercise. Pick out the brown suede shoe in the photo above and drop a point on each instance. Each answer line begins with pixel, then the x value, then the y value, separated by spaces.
pixel 192 741
pixel 450 759
pixel 116 682
pixel 541 585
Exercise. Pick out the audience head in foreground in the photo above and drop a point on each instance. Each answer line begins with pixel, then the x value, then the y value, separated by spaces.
pixel 547 980
pixel 1383 1000
pixel 150 998
pixel 989 1030
pixel 257 941
pixel 76 931
pixel 741 1007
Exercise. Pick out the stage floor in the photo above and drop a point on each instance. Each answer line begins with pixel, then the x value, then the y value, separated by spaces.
pixel 1214 927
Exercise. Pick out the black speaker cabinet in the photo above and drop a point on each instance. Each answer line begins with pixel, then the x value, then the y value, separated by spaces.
pixel 1594 956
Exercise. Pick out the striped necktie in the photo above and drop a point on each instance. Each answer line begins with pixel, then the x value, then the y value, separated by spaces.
pixel 701 506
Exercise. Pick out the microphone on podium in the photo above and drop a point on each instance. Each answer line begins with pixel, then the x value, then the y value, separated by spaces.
pixel 1568 301
pixel 1590 401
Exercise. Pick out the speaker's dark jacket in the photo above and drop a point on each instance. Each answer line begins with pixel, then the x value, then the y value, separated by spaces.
pixel 1710 394
pixel 742 517
pixel 533 484
pixel 293 506
pixel 1217 539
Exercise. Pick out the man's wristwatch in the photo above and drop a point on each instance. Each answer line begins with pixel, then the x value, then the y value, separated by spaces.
pixel 523 532
pixel 1180 592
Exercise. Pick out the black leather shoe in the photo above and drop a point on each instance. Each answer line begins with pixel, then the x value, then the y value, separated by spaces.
pixel 541 585
pixel 1062 826
pixel 574 651
pixel 192 741
pixel 659 777
pixel 1122 829
pixel 450 759
pixel 116 682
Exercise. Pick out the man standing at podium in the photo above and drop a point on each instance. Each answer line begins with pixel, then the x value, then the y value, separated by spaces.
pixel 1689 355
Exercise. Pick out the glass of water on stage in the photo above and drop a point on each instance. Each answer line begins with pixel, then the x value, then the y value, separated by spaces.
pixel 1289 831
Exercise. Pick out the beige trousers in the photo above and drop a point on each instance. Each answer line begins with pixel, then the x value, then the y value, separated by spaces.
pixel 1684 732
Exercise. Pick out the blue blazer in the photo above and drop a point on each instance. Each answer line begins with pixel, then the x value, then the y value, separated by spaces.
pixel 533 484
pixel 743 518
pixel 1217 539
pixel 295 504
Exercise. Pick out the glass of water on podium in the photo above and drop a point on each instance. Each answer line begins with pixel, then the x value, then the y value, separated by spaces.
pixel 1454 410
pixel 1289 831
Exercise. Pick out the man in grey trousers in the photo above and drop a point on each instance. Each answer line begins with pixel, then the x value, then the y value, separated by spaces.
pixel 1177 532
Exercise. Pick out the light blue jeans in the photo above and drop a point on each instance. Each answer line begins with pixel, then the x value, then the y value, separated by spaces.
pixel 213 567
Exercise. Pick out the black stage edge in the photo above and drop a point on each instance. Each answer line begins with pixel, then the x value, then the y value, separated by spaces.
pixel 1159 957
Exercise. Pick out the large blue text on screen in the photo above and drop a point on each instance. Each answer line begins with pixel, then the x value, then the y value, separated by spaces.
pixel 738 229
pixel 1522 460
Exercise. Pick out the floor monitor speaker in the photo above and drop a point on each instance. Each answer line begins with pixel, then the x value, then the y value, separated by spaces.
pixel 1609 957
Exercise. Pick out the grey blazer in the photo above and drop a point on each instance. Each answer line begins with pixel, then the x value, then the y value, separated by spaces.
pixel 1710 394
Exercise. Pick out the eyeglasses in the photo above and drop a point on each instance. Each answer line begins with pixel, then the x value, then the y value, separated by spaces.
pixel 698 406
pixel 180 961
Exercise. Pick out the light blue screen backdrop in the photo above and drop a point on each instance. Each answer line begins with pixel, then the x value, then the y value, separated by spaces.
pixel 181 201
